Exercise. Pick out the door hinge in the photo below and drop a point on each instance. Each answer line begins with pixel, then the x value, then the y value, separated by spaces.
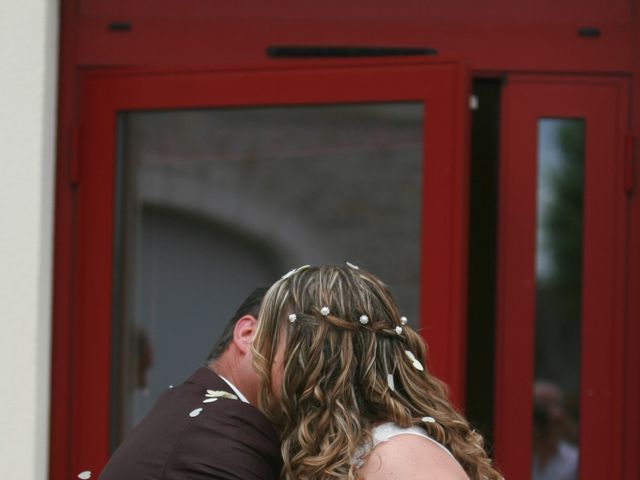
pixel 630 163
pixel 474 103
pixel 74 155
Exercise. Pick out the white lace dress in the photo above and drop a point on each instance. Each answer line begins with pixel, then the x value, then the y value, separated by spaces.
pixel 385 432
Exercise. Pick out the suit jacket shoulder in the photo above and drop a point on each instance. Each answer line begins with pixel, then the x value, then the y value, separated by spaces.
pixel 226 440
pixel 184 438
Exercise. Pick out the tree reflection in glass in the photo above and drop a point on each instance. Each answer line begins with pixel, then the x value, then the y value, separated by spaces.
pixel 558 298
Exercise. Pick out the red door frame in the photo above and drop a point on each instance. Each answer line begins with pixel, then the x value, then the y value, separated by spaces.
pixel 496 35
pixel 442 85
pixel 492 49
pixel 603 103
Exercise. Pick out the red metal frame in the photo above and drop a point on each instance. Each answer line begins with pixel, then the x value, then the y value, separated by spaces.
pixel 62 379
pixel 491 11
pixel 493 34
pixel 631 439
pixel 440 84
pixel 603 103
pixel 494 41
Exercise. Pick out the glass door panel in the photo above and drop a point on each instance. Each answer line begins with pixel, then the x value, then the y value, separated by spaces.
pixel 556 387
pixel 215 202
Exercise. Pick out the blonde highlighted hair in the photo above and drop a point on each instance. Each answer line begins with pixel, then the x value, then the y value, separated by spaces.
pixel 335 370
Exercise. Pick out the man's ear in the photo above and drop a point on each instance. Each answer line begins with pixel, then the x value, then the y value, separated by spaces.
pixel 243 333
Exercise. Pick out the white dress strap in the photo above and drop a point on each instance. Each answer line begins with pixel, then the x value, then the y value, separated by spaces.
pixel 386 431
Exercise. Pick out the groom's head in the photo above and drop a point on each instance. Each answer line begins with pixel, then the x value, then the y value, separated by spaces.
pixel 251 307
pixel 231 356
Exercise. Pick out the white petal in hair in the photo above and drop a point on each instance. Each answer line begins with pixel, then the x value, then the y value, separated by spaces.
pixel 399 330
pixel 324 311
pixel 209 400
pixel 294 271
pixel 428 420
pixel 355 267
pixel 416 363
pixel 293 317
pixel 390 382
pixel 403 320
pixel 195 413
pixel 364 319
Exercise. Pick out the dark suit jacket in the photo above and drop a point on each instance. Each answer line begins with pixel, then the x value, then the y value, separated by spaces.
pixel 228 439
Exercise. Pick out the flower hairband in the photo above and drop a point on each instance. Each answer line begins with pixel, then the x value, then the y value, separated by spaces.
pixel 363 319
pixel 324 311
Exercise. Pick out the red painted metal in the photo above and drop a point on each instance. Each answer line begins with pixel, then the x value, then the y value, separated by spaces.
pixel 603 105
pixel 444 245
pixel 490 12
pixel 494 38
pixel 631 440
pixel 489 35
pixel 515 304
pixel 441 85
pixel 630 159
pixel 62 377
pixel 216 41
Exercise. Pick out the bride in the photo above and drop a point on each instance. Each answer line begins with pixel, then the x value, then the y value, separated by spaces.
pixel 343 376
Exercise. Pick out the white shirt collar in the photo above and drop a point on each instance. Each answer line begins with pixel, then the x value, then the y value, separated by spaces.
pixel 235 389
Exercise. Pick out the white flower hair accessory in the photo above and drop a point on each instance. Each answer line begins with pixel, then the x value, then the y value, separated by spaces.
pixel 399 330
pixel 403 320
pixel 293 317
pixel 364 319
pixel 325 311
pixel 414 361
pixel 428 420
pixel 294 271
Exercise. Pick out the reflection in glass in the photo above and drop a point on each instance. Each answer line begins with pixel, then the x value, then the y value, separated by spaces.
pixel 558 299
pixel 216 202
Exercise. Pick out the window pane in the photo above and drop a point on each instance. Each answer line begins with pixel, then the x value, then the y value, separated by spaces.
pixel 216 202
pixel 558 298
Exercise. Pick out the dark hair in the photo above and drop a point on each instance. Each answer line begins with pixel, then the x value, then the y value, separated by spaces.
pixel 251 306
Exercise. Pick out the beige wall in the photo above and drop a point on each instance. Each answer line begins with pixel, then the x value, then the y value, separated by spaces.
pixel 28 72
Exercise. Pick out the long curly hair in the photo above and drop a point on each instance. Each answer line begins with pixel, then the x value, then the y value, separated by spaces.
pixel 342 374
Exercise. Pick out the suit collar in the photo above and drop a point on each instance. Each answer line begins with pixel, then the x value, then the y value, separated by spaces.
pixel 208 379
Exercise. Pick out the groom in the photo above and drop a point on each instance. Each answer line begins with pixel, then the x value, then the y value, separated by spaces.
pixel 208 427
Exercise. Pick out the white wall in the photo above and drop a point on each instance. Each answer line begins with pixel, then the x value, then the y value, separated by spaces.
pixel 28 72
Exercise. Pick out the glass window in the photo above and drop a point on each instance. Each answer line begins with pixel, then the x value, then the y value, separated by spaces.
pixel 214 202
pixel 558 298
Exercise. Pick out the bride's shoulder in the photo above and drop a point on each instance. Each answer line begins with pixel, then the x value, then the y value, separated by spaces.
pixel 409 457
